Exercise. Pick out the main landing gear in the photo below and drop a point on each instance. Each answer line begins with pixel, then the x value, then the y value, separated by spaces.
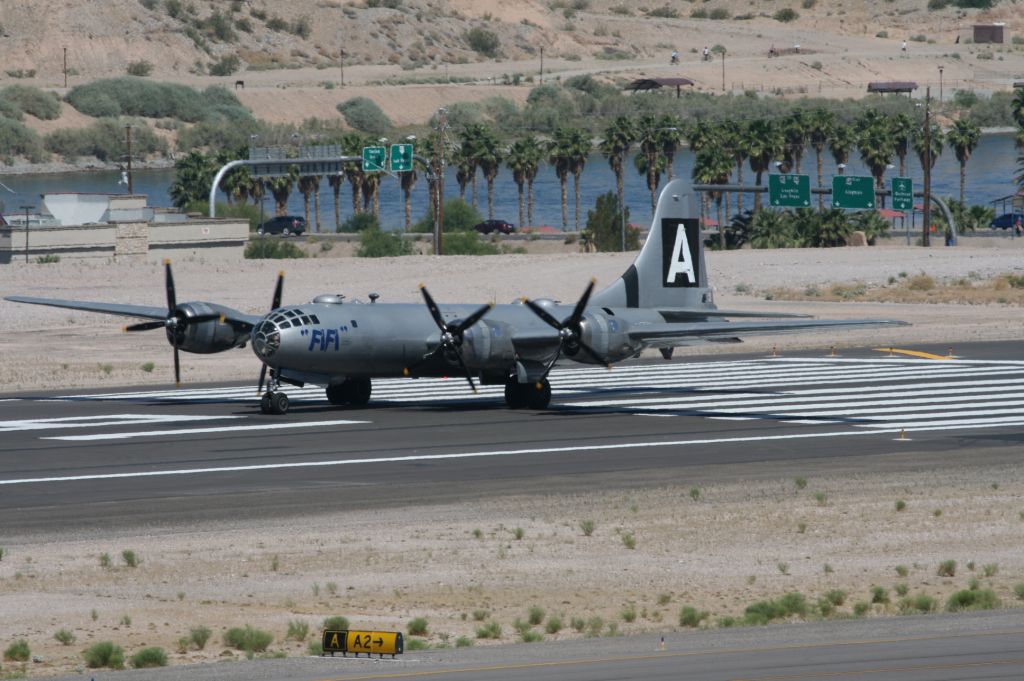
pixel 533 395
pixel 354 392
pixel 275 403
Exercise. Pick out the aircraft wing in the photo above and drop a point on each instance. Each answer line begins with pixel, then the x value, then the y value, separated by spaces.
pixel 689 314
pixel 143 311
pixel 669 335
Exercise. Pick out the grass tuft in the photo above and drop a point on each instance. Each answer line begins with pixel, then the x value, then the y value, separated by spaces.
pixel 248 639
pixel 535 615
pixel 972 599
pixel 149 657
pixel 104 654
pixel 587 526
pixel 417 626
pixel 65 636
pixel 336 623
pixel 18 651
pixel 947 568
pixel 199 636
pixel 691 617
pixel 130 558
pixel 490 630
pixel 297 630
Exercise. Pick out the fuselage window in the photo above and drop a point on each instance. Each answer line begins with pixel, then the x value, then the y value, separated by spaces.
pixel 305 320
pixel 354 325
pixel 314 318
pixel 285 325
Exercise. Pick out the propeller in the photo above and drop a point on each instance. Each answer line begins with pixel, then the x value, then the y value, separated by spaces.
pixel 274 304
pixel 570 329
pixel 451 335
pixel 176 321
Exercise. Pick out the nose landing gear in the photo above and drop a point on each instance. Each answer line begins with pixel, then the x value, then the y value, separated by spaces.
pixel 275 403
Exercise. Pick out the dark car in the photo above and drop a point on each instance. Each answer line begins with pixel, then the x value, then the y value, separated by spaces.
pixel 489 226
pixel 1007 220
pixel 283 224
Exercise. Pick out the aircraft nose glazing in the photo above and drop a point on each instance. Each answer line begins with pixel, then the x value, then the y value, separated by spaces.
pixel 266 339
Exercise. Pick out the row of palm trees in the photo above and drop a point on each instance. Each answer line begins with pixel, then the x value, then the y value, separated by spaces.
pixel 722 148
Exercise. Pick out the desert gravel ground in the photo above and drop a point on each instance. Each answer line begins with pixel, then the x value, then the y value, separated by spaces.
pixel 751 534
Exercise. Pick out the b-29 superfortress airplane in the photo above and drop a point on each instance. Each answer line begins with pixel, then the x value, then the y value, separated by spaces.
pixel 661 301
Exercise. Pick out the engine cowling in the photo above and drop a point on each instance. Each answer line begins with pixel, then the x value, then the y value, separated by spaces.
pixel 205 337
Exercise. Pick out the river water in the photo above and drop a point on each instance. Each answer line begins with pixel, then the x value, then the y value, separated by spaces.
pixel 990 173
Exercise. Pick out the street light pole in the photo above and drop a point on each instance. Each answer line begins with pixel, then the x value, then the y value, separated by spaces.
pixel 940 83
pixel 26 209
pixel 723 70
pixel 65 66
pixel 128 143
pixel 541 64
pixel 927 170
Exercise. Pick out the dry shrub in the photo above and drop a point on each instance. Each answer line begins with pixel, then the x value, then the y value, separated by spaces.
pixel 921 282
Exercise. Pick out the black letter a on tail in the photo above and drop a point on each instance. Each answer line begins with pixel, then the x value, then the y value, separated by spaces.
pixel 680 246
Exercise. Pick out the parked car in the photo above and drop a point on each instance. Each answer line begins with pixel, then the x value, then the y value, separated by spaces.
pixel 283 224
pixel 1007 220
pixel 489 226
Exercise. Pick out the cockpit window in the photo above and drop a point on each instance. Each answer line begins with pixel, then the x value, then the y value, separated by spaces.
pixel 314 318
pixel 305 320
pixel 284 325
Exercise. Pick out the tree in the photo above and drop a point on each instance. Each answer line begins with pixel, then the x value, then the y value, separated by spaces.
pixel 281 187
pixel 352 145
pixel 732 134
pixel 713 165
pixel 523 155
pixel 488 158
pixel 840 142
pixel 408 180
pixel 464 170
pixel 618 137
pixel 963 138
pixel 820 124
pixel 934 147
pixel 876 147
pixel 771 229
pixel 1017 107
pixel 670 134
pixel 580 146
pixel 650 137
pixel 310 185
pixel 762 142
pixel 794 134
pixel 603 230
pixel 902 132
pixel 470 146
pixel 193 176
pixel 560 153
pixel 335 181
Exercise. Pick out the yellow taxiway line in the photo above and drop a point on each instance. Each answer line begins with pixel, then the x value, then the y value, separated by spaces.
pixel 913 353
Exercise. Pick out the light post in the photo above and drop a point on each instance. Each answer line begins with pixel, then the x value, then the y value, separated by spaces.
pixel 26 209
pixel 128 144
pixel 940 83
pixel 723 69
pixel 842 168
pixel 926 212
pixel 541 64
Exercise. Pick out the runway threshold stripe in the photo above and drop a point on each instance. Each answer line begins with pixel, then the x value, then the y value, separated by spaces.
pixel 195 431
pixel 101 420
pixel 474 455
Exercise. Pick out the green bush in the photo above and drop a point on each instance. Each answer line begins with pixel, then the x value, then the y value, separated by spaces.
pixel 364 115
pixel 604 226
pixel 972 599
pixel 39 103
pixel 130 558
pixel 149 657
pixel 141 68
pixel 18 651
pixel 361 221
pixel 836 597
pixel 490 630
pixel 64 636
pixel 764 612
pixel 786 15
pixel 130 96
pixel 105 139
pixel 482 41
pixel 227 65
pixel 272 249
pixel 375 243
pixel 879 595
pixel 417 626
pixel 17 140
pixel 248 639
pixel 459 216
pixel 554 625
pixel 297 630
pixel 199 636
pixel 336 623
pixel 463 642
pixel 416 644
pixel 691 617
pixel 535 615
pixel 468 243
pixel 921 603
pixel 104 654
pixel 947 568
pixel 1018 591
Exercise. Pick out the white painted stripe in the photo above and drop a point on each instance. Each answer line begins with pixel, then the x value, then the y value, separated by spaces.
pixel 102 420
pixel 196 431
pixel 945 420
pixel 883 407
pixel 483 454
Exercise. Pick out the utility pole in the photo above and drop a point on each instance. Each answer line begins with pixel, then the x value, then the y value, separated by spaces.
pixel 26 209
pixel 723 70
pixel 65 66
pixel 128 143
pixel 541 64
pixel 341 65
pixel 927 198
pixel 442 125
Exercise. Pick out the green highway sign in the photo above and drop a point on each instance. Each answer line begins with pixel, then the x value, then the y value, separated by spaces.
pixel 902 193
pixel 851 191
pixel 401 158
pixel 789 190
pixel 374 158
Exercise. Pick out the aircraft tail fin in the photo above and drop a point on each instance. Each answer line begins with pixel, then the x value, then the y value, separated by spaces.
pixel 669 271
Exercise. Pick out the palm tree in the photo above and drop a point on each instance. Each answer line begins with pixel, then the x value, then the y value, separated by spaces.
pixel 820 124
pixel 1017 107
pixel 488 157
pixel 310 184
pixel 649 135
pixel 762 142
pixel 408 180
pixel 935 144
pixel 670 135
pixel 580 145
pixel 193 176
pixel 962 138
pixel 713 165
pixel 876 146
pixel 560 154
pixel 651 167
pixel 523 156
pixel 281 187
pixel 471 151
pixel 464 170
pixel 840 142
pixel 618 137
pixel 335 180
pixel 902 131
pixel 732 133
pixel 794 133
pixel 352 145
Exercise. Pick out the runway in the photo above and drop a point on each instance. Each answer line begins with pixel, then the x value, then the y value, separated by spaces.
pixel 200 451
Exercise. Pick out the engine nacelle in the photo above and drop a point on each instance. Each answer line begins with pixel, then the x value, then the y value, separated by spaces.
pixel 204 338
pixel 607 335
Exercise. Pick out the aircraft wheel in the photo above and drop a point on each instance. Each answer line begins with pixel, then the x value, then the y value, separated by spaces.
pixel 359 391
pixel 538 395
pixel 515 396
pixel 338 394
pixel 279 404
pixel 265 403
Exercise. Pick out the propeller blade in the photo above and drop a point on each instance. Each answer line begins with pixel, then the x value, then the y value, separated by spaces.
pixel 169 284
pixel 581 305
pixel 177 368
pixel 146 326
pixel 278 290
pixel 263 375
pixel 407 371
pixel 200 318
pixel 434 311
pixel 469 376
pixel 472 319
pixel 593 354
pixel 542 313
pixel 551 364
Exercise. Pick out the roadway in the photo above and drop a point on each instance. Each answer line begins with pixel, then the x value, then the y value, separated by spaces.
pixel 82 458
